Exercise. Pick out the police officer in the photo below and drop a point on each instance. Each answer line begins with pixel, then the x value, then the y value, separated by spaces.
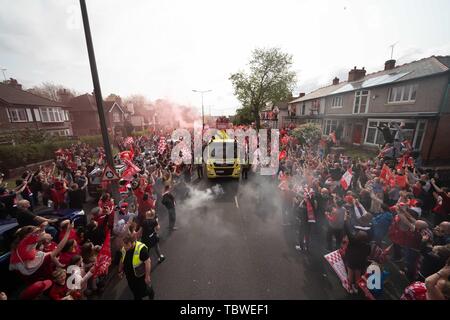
pixel 136 264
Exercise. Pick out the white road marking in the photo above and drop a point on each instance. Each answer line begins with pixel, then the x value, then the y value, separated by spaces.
pixel 236 202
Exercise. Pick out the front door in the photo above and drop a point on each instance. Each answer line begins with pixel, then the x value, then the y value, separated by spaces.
pixel 357 133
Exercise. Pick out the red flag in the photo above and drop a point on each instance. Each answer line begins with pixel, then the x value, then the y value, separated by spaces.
pixel 346 179
pixel 386 173
pixel 104 257
pixel 400 164
pixel 131 152
pixel 126 155
pixel 130 171
pixel 401 181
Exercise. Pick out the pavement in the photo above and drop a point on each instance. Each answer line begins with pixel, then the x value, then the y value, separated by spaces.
pixel 231 245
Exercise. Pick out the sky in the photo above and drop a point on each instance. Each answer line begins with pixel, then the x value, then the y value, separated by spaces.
pixel 167 48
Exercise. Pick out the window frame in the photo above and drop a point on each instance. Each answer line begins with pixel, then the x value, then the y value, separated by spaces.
pixel 395 92
pixel 51 115
pixel 328 123
pixel 14 115
pixel 337 102
pixel 359 94
pixel 114 119
pixel 389 122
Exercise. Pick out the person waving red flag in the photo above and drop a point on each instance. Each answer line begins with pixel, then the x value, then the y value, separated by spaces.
pixel 104 257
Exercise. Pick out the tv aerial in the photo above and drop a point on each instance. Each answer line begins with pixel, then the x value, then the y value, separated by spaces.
pixel 392 49
pixel 3 71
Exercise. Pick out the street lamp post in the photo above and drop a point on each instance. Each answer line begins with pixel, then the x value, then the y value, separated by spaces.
pixel 203 111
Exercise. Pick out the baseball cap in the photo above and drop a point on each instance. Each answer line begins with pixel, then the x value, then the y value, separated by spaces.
pixel 35 290
pixel 124 205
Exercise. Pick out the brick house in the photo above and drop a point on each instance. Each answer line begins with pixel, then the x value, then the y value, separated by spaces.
pixel 85 116
pixel 20 110
pixel 416 93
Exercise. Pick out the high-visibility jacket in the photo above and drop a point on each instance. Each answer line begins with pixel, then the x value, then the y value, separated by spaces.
pixel 138 265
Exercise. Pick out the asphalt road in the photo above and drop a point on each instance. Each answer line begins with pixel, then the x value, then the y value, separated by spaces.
pixel 231 245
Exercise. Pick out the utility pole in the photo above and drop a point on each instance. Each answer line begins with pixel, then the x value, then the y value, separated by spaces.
pixel 203 111
pixel 97 91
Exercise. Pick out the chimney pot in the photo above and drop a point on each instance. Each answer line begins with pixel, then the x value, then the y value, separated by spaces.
pixel 13 83
pixel 389 65
pixel 335 81
pixel 356 74
pixel 302 94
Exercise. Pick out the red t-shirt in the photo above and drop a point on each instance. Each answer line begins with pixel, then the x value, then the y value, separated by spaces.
pixel 57 291
pixel 49 247
pixel 22 252
pixel 72 235
pixel 443 208
pixel 65 257
pixel 58 195
pixel 144 206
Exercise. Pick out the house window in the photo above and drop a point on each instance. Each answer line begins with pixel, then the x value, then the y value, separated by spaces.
pixel 330 125
pixel 420 133
pixel 375 136
pixel 315 106
pixel 29 115
pixel 361 101
pixel 17 115
pixel 406 93
pixel 37 115
pixel 51 114
pixel 116 117
pixel 303 109
pixel 336 102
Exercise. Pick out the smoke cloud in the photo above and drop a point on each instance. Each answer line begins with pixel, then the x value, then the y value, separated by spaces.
pixel 175 115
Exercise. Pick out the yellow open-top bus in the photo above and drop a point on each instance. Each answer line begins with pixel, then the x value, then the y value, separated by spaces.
pixel 223 157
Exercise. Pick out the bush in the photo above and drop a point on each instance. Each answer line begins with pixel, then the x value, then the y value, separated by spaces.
pixel 95 141
pixel 308 132
pixel 139 133
pixel 24 154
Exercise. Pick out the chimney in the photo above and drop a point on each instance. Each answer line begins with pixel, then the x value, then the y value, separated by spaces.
pixel 389 65
pixel 335 81
pixel 302 94
pixel 63 95
pixel 356 74
pixel 13 83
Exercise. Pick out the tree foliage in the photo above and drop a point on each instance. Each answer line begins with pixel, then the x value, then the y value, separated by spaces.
pixel 308 132
pixel 269 79
pixel 243 116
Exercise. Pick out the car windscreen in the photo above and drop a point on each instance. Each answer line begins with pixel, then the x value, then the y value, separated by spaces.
pixel 225 150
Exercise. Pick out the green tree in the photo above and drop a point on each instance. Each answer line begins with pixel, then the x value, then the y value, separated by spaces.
pixel 243 116
pixel 269 79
